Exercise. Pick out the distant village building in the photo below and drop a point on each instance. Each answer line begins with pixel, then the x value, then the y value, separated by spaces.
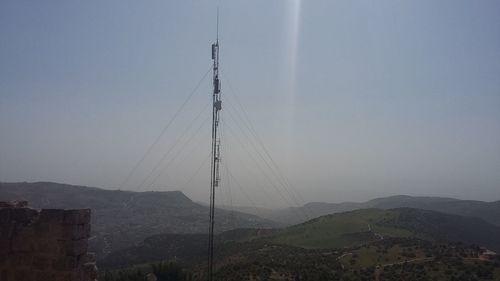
pixel 487 254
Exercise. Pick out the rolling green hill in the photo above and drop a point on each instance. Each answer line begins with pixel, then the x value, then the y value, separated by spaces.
pixel 368 225
pixel 341 230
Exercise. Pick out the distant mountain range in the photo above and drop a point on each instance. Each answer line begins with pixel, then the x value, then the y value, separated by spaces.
pixel 123 218
pixel 489 211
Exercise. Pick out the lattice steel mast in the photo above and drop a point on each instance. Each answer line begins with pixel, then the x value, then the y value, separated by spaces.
pixel 214 173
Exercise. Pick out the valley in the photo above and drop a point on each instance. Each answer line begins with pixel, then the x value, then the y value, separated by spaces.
pixel 136 232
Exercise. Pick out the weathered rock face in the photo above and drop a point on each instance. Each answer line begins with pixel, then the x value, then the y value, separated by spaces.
pixel 50 244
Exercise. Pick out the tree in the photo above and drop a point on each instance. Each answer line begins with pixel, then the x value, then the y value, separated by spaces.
pixel 169 271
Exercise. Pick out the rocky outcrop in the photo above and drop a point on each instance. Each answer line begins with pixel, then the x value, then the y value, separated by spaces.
pixel 47 244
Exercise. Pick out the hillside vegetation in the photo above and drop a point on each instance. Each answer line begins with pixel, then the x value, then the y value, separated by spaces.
pixel 331 234
pixel 386 259
pixel 341 230
pixel 368 225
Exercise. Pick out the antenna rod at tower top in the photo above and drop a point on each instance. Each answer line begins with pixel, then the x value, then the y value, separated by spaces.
pixel 217 25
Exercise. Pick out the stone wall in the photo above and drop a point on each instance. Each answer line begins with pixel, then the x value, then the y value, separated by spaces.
pixel 44 245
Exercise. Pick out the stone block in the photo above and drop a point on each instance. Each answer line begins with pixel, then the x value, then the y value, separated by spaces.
pixel 74 232
pixel 45 275
pixel 24 215
pixel 5 246
pixel 24 239
pixel 6 231
pixel 21 260
pixel 77 216
pixel 87 229
pixel 54 231
pixel 68 276
pixel 23 275
pixel 41 262
pixel 64 263
pixel 23 245
pixel 25 232
pixel 5 215
pixel 62 231
pixel 4 259
pixel 4 274
pixel 52 215
pixel 75 248
pixel 47 246
pixel 43 230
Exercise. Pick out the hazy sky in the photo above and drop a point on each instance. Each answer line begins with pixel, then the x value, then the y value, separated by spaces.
pixel 352 99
